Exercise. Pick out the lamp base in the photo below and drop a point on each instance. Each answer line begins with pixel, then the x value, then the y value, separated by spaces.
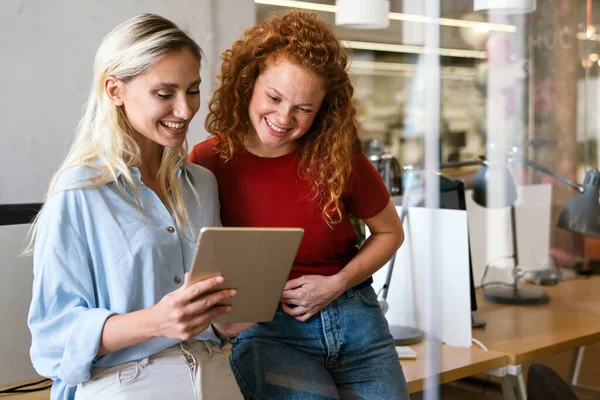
pixel 405 335
pixel 509 295
pixel 592 267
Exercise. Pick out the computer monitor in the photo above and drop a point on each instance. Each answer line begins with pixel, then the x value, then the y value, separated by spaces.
pixel 452 197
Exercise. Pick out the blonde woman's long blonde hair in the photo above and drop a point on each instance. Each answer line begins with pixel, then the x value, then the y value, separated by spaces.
pixel 103 139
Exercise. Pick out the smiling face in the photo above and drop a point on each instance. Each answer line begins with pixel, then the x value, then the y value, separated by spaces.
pixel 160 103
pixel 284 104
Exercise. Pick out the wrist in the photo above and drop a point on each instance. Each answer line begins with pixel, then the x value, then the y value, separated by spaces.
pixel 150 323
pixel 341 282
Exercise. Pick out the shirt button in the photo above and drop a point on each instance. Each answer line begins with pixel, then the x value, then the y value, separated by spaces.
pixel 170 229
pixel 177 280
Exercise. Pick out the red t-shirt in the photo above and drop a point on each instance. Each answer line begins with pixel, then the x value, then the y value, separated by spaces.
pixel 268 192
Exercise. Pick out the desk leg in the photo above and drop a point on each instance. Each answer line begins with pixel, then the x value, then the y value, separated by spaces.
pixel 511 381
pixel 508 388
pixel 576 361
pixel 516 372
pixel 507 382
pixel 521 385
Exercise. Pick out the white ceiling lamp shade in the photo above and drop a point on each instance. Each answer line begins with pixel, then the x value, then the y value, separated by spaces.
pixel 362 14
pixel 505 6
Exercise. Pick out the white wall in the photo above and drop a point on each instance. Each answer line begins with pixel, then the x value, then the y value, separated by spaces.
pixel 47 52
pixel 45 74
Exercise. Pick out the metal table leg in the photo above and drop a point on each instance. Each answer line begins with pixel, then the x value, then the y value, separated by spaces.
pixel 507 382
pixel 576 362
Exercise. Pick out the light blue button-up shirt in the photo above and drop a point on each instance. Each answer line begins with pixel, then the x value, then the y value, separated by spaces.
pixel 96 255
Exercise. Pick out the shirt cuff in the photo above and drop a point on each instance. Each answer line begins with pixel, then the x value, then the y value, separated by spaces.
pixel 82 346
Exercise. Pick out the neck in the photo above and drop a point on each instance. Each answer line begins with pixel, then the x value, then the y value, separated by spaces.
pixel 151 154
pixel 253 144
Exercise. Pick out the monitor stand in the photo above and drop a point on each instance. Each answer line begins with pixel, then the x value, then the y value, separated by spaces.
pixel 476 321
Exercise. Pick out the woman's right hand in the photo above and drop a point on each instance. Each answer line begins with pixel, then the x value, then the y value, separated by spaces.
pixel 188 311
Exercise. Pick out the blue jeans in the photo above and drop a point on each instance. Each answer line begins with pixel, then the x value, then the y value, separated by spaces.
pixel 344 352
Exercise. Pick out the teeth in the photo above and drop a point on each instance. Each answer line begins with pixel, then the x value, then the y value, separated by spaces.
pixel 173 125
pixel 275 128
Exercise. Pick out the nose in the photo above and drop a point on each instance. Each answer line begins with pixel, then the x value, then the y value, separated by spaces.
pixel 183 109
pixel 284 116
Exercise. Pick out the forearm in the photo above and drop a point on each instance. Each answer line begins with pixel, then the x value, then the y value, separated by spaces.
pixel 374 253
pixel 125 330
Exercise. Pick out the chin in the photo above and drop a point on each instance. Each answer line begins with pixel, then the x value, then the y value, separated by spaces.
pixel 172 144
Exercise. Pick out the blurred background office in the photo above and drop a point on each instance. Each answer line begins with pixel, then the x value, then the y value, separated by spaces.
pixel 440 86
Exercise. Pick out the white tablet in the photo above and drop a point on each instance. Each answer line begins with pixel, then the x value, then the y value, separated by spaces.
pixel 255 261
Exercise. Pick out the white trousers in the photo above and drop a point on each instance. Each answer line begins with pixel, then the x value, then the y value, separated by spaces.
pixel 191 370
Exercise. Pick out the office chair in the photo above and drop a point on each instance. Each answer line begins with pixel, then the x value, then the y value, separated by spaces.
pixel 545 384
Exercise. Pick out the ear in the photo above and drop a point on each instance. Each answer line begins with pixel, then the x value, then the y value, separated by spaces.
pixel 114 90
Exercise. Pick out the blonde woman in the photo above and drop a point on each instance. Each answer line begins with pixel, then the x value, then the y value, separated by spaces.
pixel 111 316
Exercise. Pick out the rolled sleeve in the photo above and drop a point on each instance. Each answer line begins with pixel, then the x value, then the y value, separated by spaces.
pixel 65 323
pixel 81 347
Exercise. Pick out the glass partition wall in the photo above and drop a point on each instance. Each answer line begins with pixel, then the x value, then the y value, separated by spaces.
pixel 449 84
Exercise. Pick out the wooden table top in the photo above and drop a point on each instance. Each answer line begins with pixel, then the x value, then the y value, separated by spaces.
pixel 527 333
pixel 455 363
pixel 513 334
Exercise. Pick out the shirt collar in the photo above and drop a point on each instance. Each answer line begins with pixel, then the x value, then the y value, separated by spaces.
pixel 137 175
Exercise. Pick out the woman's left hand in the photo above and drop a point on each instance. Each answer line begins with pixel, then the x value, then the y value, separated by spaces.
pixel 310 294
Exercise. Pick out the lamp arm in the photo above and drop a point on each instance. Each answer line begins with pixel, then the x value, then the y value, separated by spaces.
pixel 403 211
pixel 551 173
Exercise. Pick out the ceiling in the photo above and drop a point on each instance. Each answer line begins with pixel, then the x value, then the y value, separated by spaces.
pixel 450 37
pixel 399 32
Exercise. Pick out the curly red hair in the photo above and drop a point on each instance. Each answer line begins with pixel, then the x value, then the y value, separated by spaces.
pixel 326 151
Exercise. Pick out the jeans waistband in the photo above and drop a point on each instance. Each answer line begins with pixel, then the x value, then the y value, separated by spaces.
pixel 363 284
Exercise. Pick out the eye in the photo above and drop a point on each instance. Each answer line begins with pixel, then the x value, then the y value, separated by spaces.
pixel 275 99
pixel 164 96
pixel 193 92
pixel 305 110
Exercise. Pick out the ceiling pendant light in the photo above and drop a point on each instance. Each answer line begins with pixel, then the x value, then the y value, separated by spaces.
pixel 362 14
pixel 505 6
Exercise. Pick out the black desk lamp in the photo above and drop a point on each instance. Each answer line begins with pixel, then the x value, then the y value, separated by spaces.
pixel 581 214
pixel 403 335
pixel 388 167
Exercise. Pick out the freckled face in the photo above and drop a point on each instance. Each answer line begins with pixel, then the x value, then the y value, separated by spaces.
pixel 284 104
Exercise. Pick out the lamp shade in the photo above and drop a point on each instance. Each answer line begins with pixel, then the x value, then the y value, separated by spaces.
pixel 582 213
pixel 493 187
pixel 362 14
pixel 505 6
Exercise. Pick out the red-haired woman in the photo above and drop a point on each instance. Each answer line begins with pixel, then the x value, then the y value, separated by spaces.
pixel 286 153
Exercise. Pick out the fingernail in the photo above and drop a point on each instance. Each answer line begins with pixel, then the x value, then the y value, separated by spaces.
pixel 233 292
pixel 219 279
pixel 228 309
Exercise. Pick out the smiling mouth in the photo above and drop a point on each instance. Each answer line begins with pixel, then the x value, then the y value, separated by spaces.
pixel 174 127
pixel 276 128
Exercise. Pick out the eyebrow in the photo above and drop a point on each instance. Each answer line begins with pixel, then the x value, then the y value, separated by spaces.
pixel 167 85
pixel 280 95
